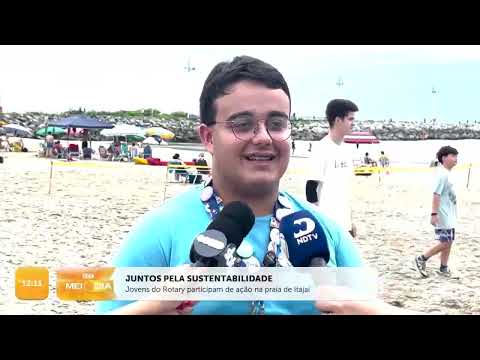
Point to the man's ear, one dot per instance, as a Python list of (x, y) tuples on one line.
[(206, 136)]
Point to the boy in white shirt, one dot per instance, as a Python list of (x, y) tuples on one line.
[(330, 184)]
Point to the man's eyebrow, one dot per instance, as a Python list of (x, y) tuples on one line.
[(277, 113), (249, 113), (238, 114)]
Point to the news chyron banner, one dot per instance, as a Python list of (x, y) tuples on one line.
[(197, 284)]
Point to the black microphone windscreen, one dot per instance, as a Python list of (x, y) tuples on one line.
[(235, 221)]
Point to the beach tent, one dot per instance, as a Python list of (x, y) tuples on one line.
[(81, 121)]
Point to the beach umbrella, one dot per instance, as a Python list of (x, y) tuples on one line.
[(17, 129), (124, 130), (130, 138), (361, 137), (164, 134), (134, 138), (150, 140), (53, 129)]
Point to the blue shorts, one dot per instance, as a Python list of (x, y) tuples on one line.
[(444, 235), (49, 146)]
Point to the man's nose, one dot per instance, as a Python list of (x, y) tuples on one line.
[(261, 133)]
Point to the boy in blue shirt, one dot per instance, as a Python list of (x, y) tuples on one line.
[(245, 125)]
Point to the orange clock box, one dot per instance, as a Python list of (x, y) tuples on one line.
[(31, 283)]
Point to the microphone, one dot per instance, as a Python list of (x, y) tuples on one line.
[(306, 241), (216, 247)]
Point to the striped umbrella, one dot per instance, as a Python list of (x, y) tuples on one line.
[(361, 137)]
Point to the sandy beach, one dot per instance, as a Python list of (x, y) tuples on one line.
[(93, 204)]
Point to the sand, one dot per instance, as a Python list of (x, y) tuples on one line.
[(93, 204)]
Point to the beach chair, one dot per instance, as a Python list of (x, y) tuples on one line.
[(73, 150), (180, 172)]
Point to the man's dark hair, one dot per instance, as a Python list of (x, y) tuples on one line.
[(49, 133), (225, 74), (176, 156), (445, 151), (340, 108)]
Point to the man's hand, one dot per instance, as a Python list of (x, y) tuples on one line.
[(341, 300), (156, 307), (434, 220)]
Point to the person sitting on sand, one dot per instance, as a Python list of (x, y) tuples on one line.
[(367, 160), (4, 145), (177, 169), (133, 150), (202, 162), (57, 149)]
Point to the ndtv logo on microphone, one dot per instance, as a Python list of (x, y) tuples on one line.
[(306, 235)]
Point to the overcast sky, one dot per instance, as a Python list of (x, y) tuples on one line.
[(385, 81)]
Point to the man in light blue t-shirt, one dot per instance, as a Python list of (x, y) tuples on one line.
[(244, 111), (444, 213)]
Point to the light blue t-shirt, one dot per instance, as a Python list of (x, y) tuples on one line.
[(447, 211), (163, 238)]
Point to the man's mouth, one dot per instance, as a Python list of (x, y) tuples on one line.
[(260, 157)]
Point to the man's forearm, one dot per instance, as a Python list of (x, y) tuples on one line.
[(435, 203)]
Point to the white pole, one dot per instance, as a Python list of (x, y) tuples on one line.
[(468, 178), (51, 171)]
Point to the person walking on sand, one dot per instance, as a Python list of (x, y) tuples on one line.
[(444, 213)]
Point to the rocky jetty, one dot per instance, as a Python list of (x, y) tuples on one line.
[(184, 126)]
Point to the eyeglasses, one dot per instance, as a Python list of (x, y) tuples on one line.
[(246, 127)]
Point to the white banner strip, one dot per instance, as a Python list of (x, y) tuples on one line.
[(240, 284)]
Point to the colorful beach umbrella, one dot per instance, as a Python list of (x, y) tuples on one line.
[(164, 134), (53, 129)]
